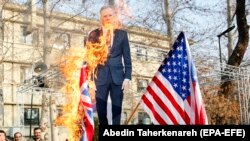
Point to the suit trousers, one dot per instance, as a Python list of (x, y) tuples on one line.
[(116, 96)]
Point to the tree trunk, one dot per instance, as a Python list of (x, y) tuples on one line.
[(52, 110), (168, 20), (46, 103), (44, 123), (229, 24), (228, 88), (46, 36)]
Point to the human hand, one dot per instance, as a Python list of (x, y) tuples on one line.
[(125, 85)]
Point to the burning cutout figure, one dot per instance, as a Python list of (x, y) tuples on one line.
[(109, 58)]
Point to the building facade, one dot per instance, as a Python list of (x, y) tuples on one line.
[(22, 47)]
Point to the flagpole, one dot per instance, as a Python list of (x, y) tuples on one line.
[(132, 114)]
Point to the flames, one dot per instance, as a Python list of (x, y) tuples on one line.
[(94, 54), (97, 53), (70, 68)]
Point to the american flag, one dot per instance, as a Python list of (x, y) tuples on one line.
[(87, 106), (173, 96)]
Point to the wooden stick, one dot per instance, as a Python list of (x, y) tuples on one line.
[(130, 117)]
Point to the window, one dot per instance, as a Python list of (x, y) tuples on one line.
[(162, 55), (31, 116), (59, 116), (143, 118), (142, 85), (62, 41), (59, 112), (25, 73), (141, 53), (26, 36)]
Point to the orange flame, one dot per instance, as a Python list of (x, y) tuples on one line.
[(97, 53), (70, 69)]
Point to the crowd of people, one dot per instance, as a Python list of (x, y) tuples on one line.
[(18, 136)]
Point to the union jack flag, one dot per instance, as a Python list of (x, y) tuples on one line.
[(173, 97), (86, 104)]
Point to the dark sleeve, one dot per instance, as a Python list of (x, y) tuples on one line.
[(127, 56)]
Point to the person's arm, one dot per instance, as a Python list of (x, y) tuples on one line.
[(127, 62), (127, 57)]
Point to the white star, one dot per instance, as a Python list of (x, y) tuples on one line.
[(179, 56), (184, 73), (175, 77), (169, 77), (183, 88), (175, 85), (184, 80), (185, 65), (183, 95), (175, 70), (173, 56)]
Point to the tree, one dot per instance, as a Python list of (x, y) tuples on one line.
[(229, 24), (228, 88), (44, 123), (168, 20)]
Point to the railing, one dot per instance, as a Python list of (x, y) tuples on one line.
[(218, 74)]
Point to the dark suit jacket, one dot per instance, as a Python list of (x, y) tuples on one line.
[(119, 53)]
